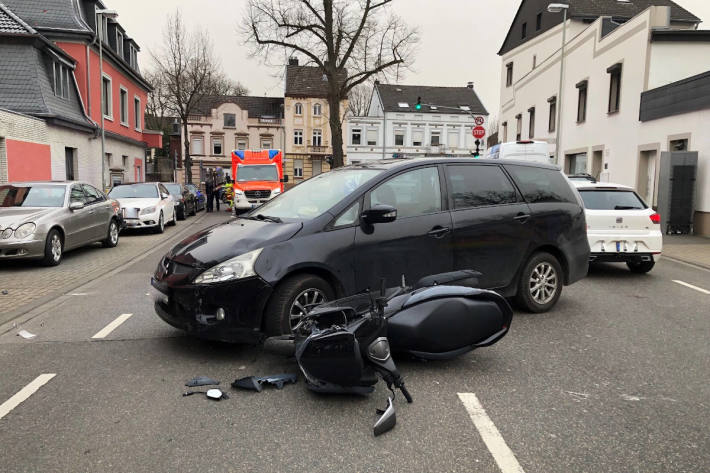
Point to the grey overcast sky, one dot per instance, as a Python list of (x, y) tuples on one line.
[(459, 39)]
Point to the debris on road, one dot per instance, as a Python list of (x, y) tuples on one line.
[(201, 381), (4, 292), (254, 383), (214, 394), (26, 335)]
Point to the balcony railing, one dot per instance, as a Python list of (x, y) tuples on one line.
[(317, 149), (270, 120)]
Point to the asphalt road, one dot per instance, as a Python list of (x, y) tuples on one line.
[(615, 379)]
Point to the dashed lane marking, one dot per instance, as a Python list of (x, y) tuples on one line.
[(699, 289), (24, 393), (502, 454), (103, 333)]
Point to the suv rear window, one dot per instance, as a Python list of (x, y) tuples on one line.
[(611, 200), (476, 186), (541, 184)]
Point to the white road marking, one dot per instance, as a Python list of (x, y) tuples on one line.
[(24, 393), (502, 454), (699, 289), (103, 333)]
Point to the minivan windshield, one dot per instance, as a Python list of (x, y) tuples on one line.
[(315, 196), (32, 196), (257, 172), (611, 200), (134, 191)]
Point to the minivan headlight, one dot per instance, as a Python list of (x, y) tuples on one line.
[(148, 210), (239, 267), (25, 230)]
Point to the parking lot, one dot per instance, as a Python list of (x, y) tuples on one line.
[(613, 379)]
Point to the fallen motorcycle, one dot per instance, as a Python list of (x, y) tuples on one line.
[(342, 346)]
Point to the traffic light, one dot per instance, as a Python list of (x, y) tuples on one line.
[(418, 106)]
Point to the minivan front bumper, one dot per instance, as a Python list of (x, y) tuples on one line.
[(194, 308)]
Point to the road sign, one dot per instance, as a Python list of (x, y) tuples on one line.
[(479, 121), (479, 132)]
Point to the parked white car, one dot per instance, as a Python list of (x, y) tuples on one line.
[(620, 226), (145, 205), (529, 150)]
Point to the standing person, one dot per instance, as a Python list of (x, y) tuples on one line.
[(209, 189), (217, 191)]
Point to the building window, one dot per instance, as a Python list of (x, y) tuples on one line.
[(614, 87), (298, 137), (61, 80), (552, 119), (137, 113), (297, 168), (372, 137), (524, 31), (104, 28), (197, 145), (134, 57), (538, 22), (582, 102), (266, 144), (417, 137), (531, 127), (242, 144), (509, 74), (119, 43), (317, 138), (435, 138), (399, 138), (298, 109), (69, 164), (317, 109), (106, 98), (230, 120), (505, 132), (356, 137), (217, 146), (124, 106), (518, 126), (678, 145), (453, 139)]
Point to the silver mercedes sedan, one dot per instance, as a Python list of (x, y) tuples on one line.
[(42, 220)]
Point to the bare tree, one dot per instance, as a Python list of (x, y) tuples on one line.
[(159, 104), (350, 40), (359, 100), (188, 71)]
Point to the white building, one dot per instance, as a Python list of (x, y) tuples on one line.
[(636, 84), (394, 127)]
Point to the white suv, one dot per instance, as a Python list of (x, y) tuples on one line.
[(620, 226)]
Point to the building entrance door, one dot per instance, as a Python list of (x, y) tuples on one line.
[(597, 164), (646, 177), (317, 166)]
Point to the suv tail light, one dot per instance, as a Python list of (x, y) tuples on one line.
[(656, 218)]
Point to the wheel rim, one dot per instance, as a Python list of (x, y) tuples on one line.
[(113, 232), (56, 245), (543, 283), (303, 303)]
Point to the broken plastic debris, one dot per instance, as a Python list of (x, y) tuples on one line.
[(254, 383), (214, 394), (201, 381), (25, 334), (4, 292)]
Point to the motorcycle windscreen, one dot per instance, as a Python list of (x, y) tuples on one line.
[(446, 325), (333, 358)]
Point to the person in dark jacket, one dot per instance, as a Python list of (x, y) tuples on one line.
[(209, 189)]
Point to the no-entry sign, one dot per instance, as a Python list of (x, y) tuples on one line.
[(479, 132), (479, 120)]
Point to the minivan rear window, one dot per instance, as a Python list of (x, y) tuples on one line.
[(611, 200), (477, 186), (542, 184)]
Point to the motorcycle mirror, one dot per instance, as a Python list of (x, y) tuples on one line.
[(387, 420), (215, 394)]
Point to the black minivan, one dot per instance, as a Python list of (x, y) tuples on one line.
[(520, 224)]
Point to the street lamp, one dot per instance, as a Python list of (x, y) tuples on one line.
[(556, 8), (100, 15)]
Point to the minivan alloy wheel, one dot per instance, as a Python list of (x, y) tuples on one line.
[(543, 283), (303, 303)]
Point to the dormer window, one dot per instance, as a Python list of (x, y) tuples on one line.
[(119, 43), (61, 80), (133, 58)]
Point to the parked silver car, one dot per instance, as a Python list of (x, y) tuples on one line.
[(42, 220)]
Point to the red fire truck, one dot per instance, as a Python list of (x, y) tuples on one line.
[(258, 176)]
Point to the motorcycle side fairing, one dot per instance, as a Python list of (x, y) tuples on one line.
[(443, 322)]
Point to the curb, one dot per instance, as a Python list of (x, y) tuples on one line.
[(688, 263), (39, 306)]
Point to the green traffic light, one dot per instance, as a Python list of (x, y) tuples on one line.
[(418, 106)]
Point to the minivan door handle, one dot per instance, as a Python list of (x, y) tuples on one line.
[(438, 232), (521, 217)]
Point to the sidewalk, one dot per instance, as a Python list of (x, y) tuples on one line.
[(688, 248)]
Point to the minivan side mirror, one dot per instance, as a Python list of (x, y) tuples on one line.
[(76, 206), (163, 196), (379, 214)]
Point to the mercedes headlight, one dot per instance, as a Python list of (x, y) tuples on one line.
[(239, 267), (25, 230), (276, 191), (148, 210)]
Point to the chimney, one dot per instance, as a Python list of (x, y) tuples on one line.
[(293, 61), (470, 85)]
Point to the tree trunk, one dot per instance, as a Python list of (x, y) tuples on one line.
[(187, 158), (336, 131)]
